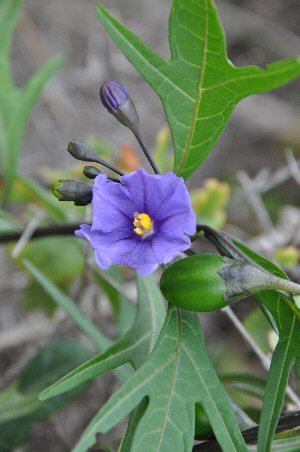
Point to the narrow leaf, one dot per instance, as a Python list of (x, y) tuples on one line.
[(287, 324), (9, 11), (134, 347), (9, 14), (64, 302), (27, 97)]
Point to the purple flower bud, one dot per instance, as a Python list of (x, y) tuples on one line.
[(113, 95), (117, 101)]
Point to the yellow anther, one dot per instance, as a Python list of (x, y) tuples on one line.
[(139, 231), (145, 221), (136, 222), (143, 224)]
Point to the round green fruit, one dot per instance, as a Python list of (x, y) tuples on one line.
[(195, 284), (203, 428)]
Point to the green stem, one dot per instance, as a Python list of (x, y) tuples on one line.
[(284, 285)]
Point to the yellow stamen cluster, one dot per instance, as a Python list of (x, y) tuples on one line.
[(142, 224)]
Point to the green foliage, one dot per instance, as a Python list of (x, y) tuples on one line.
[(160, 358), (100, 340), (15, 103), (134, 347), (35, 298), (285, 318), (287, 445), (64, 302), (247, 384), (258, 326), (20, 407), (159, 377), (7, 222), (123, 309), (45, 253), (177, 375), (199, 87)]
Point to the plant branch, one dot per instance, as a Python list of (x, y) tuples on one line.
[(223, 244), (45, 231), (286, 423)]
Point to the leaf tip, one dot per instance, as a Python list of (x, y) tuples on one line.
[(43, 396), (101, 11)]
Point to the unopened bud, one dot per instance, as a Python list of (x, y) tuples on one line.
[(117, 101), (113, 95), (82, 151), (91, 172), (71, 190)]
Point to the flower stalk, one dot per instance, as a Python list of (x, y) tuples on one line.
[(82, 151), (146, 152), (243, 279), (91, 172)]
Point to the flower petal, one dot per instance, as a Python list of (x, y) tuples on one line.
[(149, 191), (132, 252), (167, 247), (176, 212), (112, 247), (112, 206)]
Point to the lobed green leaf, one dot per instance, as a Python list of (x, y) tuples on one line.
[(177, 375), (199, 87)]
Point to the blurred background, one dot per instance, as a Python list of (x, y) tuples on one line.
[(249, 185)]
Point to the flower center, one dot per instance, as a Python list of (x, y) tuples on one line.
[(143, 225)]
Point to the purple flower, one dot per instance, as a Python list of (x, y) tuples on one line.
[(141, 222)]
